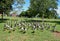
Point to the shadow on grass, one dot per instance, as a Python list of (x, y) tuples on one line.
[(58, 22), (3, 20)]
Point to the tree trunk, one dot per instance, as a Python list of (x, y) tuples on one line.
[(2, 15), (43, 18)]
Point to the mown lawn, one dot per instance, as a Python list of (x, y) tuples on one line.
[(46, 35)]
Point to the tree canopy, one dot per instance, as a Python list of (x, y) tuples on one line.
[(46, 7), (6, 5)]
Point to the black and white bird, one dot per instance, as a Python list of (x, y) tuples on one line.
[(48, 27), (42, 27), (6, 26)]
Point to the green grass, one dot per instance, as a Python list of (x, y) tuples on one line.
[(46, 35)]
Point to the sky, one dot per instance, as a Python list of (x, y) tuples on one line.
[(25, 7), (27, 4), (58, 10)]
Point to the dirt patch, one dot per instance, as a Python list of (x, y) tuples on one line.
[(23, 38), (56, 34)]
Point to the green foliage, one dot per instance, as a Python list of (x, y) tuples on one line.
[(6, 5), (46, 7), (25, 14)]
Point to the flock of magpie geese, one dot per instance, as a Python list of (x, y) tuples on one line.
[(24, 26)]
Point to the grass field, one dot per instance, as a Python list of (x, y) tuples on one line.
[(46, 35)]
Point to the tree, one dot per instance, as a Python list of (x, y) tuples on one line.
[(6, 5), (43, 7)]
